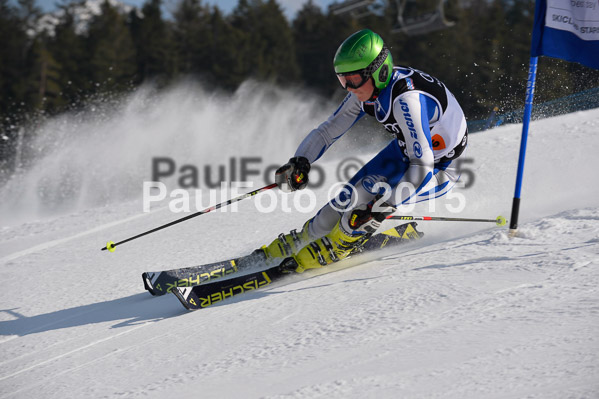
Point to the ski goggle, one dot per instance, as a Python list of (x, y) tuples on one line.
[(354, 80)]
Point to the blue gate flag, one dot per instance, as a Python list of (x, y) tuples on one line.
[(567, 29)]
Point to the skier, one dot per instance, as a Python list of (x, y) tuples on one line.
[(417, 165)]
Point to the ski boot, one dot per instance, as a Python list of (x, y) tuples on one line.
[(287, 245), (347, 236)]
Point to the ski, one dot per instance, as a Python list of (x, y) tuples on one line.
[(204, 295), (163, 282)]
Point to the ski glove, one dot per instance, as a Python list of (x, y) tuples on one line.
[(293, 175), (367, 218)]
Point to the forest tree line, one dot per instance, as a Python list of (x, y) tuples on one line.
[(483, 59)]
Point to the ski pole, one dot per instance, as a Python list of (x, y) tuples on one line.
[(110, 246), (499, 221)]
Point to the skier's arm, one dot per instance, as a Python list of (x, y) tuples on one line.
[(411, 113), (320, 139)]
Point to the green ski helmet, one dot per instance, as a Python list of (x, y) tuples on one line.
[(361, 56)]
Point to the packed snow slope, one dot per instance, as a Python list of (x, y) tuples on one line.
[(465, 312)]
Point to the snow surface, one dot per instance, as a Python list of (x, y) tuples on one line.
[(466, 312)]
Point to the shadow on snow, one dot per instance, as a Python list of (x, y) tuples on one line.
[(132, 310)]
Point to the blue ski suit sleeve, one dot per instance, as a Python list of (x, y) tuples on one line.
[(320, 139), (411, 111)]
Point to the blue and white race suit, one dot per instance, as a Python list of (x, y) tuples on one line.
[(417, 165)]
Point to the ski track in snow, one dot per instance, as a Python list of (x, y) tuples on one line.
[(466, 312)]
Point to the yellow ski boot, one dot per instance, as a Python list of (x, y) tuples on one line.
[(331, 248), (346, 236), (287, 245)]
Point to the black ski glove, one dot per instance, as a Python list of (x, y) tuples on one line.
[(293, 175), (368, 217)]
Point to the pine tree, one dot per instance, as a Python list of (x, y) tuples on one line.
[(112, 56), (153, 44), (68, 48), (265, 42), (224, 60), (13, 41), (13, 45), (192, 38), (336, 30), (311, 49), (43, 83), (279, 52)]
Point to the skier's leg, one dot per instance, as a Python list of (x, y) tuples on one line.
[(359, 191), (384, 163), (286, 245), (445, 176), (354, 227), (354, 215), (322, 223), (386, 167), (363, 216), (359, 222)]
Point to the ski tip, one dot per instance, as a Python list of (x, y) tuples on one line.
[(147, 284), (110, 246), (181, 293), (501, 221)]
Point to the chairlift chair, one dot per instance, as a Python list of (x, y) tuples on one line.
[(356, 8), (418, 24), (421, 24)]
